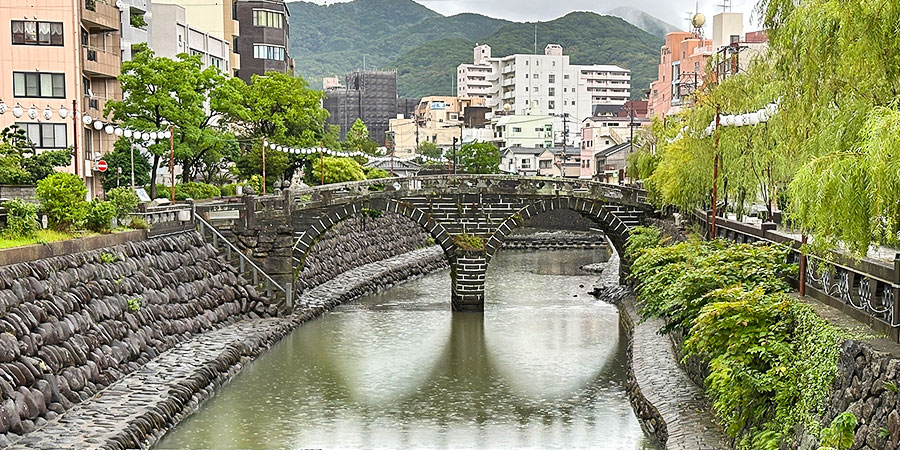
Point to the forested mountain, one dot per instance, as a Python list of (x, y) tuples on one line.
[(644, 21), (426, 47)]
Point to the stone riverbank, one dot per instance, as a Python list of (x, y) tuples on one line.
[(137, 410)]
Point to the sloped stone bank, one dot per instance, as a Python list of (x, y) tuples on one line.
[(72, 325), (137, 410), (357, 241)]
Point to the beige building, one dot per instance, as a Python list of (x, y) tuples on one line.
[(62, 57), (437, 120), (214, 18), (171, 34)]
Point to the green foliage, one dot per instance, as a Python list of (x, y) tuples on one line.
[(120, 158), (107, 258), (467, 241), (771, 358), (368, 212), (890, 386), (358, 139), (138, 21), (124, 200), (192, 190), (21, 219), (337, 170), (138, 223), (839, 435), (430, 149), (640, 238), (374, 173), (100, 215), (62, 197), (134, 304), (479, 157), (429, 241), (19, 163)]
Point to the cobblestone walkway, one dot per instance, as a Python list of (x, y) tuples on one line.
[(682, 405)]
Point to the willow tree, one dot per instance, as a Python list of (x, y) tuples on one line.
[(840, 65)]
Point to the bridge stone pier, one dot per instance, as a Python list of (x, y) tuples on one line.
[(467, 215)]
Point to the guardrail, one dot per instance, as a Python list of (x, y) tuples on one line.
[(867, 289), (245, 265), (164, 220)]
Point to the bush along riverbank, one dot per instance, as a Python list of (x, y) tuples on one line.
[(771, 359)]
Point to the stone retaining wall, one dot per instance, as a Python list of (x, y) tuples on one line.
[(555, 240), (72, 325), (357, 241)]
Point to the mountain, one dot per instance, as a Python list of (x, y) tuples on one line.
[(337, 38), (586, 37), (644, 21)]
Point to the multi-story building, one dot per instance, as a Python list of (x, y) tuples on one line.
[(263, 43), (369, 95), (685, 56), (135, 21), (62, 58), (171, 34), (544, 84), (217, 18), (525, 130), (435, 119)]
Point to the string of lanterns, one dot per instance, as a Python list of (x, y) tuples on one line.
[(47, 114), (341, 154), (744, 120)]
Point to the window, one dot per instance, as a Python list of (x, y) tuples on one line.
[(262, 51), (45, 135), (551, 104), (551, 78), (266, 18), (544, 164), (539, 130), (517, 130), (566, 76), (526, 163), (29, 32), (39, 85), (218, 63), (551, 92)]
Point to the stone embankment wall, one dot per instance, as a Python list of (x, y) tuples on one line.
[(357, 241), (555, 240), (71, 325)]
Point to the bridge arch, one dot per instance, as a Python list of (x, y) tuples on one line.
[(596, 211), (311, 234)]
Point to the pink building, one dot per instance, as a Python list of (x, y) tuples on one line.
[(62, 57), (682, 67)]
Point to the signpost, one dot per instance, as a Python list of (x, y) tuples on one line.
[(102, 166)]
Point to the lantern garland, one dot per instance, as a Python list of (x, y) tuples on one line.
[(744, 120), (342, 154)]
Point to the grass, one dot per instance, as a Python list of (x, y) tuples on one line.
[(40, 237)]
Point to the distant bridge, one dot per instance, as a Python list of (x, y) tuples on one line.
[(482, 208)]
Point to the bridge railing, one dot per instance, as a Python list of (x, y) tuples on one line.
[(329, 194), (867, 289), (167, 219)]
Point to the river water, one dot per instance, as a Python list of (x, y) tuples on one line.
[(544, 367)]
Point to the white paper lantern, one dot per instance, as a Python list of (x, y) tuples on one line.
[(32, 112), (63, 112), (87, 119), (153, 135), (17, 111), (2, 107), (771, 109), (109, 129), (128, 133), (754, 118), (763, 115), (98, 125), (145, 136), (48, 113), (118, 131)]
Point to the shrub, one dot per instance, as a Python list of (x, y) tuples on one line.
[(467, 241), (62, 197), (373, 173), (100, 216), (192, 190), (134, 304), (640, 238), (125, 201), (138, 223), (230, 190), (21, 219)]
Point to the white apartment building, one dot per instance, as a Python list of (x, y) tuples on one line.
[(135, 16), (530, 131), (543, 84), (171, 34)]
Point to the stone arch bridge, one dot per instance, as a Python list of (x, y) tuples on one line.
[(467, 215)]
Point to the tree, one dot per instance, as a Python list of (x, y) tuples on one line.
[(337, 170), (430, 150), (358, 139), (277, 164), (120, 158), (163, 91), (374, 173), (21, 164), (479, 157)]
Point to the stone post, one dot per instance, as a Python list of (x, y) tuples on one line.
[(467, 270), (896, 290)]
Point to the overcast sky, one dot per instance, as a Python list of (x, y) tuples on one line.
[(672, 11)]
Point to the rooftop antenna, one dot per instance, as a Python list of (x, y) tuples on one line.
[(726, 5)]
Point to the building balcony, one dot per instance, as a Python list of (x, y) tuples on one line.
[(100, 15), (509, 69), (509, 95), (102, 63), (509, 82)]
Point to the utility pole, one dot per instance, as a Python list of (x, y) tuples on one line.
[(455, 140), (631, 137), (565, 143), (75, 127), (715, 191), (172, 159), (263, 166)]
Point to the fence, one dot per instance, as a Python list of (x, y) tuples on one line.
[(867, 289)]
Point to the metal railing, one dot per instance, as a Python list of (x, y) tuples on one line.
[(245, 264)]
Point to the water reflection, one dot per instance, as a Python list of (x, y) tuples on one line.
[(542, 368)]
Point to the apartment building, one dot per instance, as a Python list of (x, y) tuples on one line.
[(543, 84), (171, 34), (135, 19), (436, 119), (216, 18), (527, 130), (685, 57), (63, 57), (370, 95), (264, 31)]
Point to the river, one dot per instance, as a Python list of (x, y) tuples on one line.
[(543, 367)]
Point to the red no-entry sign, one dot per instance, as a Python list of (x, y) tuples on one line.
[(102, 166)]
